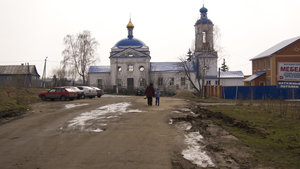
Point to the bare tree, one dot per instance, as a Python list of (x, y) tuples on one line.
[(195, 69), (188, 70), (79, 54), (59, 77)]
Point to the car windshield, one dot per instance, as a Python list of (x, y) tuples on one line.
[(52, 90), (69, 90)]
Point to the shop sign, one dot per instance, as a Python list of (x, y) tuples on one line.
[(289, 71), (287, 84)]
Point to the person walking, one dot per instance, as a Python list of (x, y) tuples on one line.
[(157, 95), (149, 93)]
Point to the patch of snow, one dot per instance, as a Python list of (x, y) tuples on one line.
[(135, 111), (175, 111), (188, 127), (69, 106), (99, 117), (183, 126), (96, 130), (194, 153), (185, 109), (111, 117), (171, 121)]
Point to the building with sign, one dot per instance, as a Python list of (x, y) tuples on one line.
[(278, 65)]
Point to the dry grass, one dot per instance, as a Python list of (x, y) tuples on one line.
[(14, 99), (281, 146)]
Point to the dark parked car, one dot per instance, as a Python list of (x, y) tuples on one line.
[(59, 93)]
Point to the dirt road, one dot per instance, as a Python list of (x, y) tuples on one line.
[(109, 133)]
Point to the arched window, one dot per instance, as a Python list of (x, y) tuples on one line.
[(141, 68), (204, 37)]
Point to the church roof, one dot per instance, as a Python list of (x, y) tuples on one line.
[(168, 67), (129, 42), (203, 19), (130, 25), (276, 48), (231, 75), (99, 69)]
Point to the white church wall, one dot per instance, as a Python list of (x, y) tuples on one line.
[(172, 82), (105, 78), (139, 70)]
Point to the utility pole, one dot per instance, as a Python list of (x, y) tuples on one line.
[(44, 73)]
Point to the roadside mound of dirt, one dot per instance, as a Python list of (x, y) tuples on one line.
[(225, 150), (185, 95), (245, 125)]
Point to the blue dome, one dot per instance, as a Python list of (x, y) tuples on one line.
[(204, 21), (203, 10), (129, 42)]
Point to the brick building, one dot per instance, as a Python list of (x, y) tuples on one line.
[(280, 63)]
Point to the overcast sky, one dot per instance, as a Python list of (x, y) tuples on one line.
[(31, 30)]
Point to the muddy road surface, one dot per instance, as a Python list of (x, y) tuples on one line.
[(113, 132), (108, 132)]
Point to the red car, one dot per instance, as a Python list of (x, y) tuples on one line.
[(59, 93)]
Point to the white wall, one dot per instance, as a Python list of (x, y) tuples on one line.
[(232, 82), (106, 79)]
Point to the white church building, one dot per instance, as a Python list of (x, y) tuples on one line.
[(130, 67)]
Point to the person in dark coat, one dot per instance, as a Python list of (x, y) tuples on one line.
[(149, 93)]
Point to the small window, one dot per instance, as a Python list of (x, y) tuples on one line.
[(217, 82), (130, 68), (182, 81), (141, 68), (119, 82), (264, 64), (269, 63), (142, 82), (160, 81), (100, 83), (171, 83), (261, 83), (258, 66), (254, 66), (208, 82)]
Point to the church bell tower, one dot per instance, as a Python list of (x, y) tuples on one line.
[(204, 32), (205, 55)]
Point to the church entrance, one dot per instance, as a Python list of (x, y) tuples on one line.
[(130, 84)]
